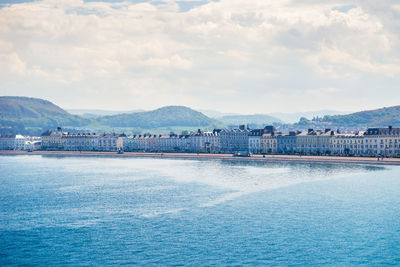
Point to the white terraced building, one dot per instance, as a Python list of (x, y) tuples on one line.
[(235, 140), (130, 143), (373, 142), (157, 143), (205, 142), (81, 142), (173, 143), (59, 140), (110, 142), (347, 143), (314, 141), (255, 141), (12, 142), (52, 140), (382, 141), (269, 143), (287, 144)]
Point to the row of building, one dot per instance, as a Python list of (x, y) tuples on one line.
[(372, 142), (19, 142), (59, 140)]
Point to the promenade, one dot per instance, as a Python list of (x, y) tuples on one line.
[(200, 156)]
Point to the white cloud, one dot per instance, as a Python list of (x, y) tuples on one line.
[(218, 55)]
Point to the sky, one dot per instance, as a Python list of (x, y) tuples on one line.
[(229, 55)]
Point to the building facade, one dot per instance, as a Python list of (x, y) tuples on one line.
[(205, 142), (80, 142), (269, 143), (235, 140), (287, 144), (373, 142), (314, 142), (111, 142), (382, 141), (52, 140)]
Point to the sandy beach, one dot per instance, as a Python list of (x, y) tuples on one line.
[(200, 156)]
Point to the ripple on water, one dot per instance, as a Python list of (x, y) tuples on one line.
[(96, 211)]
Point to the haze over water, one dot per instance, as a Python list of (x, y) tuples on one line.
[(103, 211)]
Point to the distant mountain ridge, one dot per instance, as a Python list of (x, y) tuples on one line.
[(257, 120), (163, 117), (26, 115), (29, 115), (370, 118), (274, 117), (27, 107), (215, 114), (93, 113), (295, 116)]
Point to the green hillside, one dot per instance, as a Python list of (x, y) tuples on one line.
[(359, 120), (371, 118), (25, 107), (169, 116), (32, 115)]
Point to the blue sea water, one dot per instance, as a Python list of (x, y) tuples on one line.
[(113, 211)]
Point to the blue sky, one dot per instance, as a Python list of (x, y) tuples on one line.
[(183, 5), (228, 55)]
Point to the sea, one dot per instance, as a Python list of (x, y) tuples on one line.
[(102, 211)]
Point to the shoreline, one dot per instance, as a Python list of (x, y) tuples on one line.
[(194, 156)]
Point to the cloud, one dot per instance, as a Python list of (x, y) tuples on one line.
[(211, 54), (322, 91)]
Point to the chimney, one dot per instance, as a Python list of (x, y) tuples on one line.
[(310, 130), (241, 127), (327, 130)]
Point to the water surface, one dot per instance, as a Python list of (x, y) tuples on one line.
[(104, 211)]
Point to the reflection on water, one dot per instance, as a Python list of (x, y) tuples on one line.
[(139, 203), (225, 180)]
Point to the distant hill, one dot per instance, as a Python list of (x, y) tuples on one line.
[(25, 107), (163, 117), (32, 115), (215, 114), (94, 113), (295, 116), (256, 120), (370, 118), (277, 117)]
